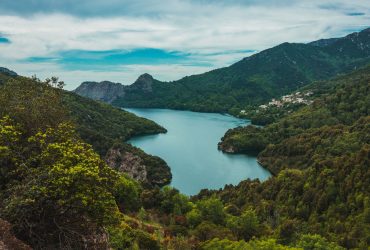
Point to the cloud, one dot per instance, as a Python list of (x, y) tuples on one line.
[(356, 14), (109, 8), (79, 59), (113, 37), (4, 40)]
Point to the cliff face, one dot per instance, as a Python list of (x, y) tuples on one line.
[(143, 83), (128, 163), (107, 91), (8, 72), (146, 169), (103, 91)]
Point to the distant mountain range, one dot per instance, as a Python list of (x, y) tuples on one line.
[(253, 80)]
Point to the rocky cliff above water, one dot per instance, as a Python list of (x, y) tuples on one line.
[(107, 91), (103, 91)]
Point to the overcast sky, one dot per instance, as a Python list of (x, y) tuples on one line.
[(117, 40)]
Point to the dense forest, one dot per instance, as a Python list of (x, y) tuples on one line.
[(320, 156), (57, 191), (98, 124), (252, 81), (68, 180)]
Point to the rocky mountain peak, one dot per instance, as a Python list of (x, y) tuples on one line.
[(144, 82), (147, 78), (8, 72), (103, 91)]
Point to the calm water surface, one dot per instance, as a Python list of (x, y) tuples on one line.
[(190, 149)]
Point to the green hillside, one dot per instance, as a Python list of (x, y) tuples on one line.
[(98, 124), (57, 193), (342, 100), (255, 79), (320, 158)]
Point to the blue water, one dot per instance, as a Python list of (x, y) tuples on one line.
[(190, 149)]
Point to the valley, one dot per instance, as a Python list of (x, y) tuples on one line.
[(190, 149), (173, 166)]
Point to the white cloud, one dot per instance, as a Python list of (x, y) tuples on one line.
[(191, 27)]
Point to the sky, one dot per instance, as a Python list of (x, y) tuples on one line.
[(118, 40)]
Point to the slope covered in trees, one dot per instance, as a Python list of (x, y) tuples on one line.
[(320, 156), (253, 80), (342, 100), (57, 192), (98, 124)]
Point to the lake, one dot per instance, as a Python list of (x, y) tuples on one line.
[(190, 149)]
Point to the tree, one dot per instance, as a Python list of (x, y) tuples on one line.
[(244, 226), (316, 242), (127, 194), (33, 104), (212, 209), (65, 197)]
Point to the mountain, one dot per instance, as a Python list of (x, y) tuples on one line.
[(109, 92), (343, 100), (253, 80), (103, 91), (106, 128), (319, 156), (8, 72)]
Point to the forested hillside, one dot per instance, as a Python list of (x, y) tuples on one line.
[(320, 156), (251, 81), (98, 124), (57, 192), (342, 100)]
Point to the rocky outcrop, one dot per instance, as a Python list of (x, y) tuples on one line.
[(7, 72), (226, 149), (107, 91), (103, 91), (147, 169), (128, 163), (143, 83)]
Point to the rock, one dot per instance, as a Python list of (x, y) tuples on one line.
[(144, 83), (7, 72), (226, 149), (103, 91), (107, 91), (128, 163)]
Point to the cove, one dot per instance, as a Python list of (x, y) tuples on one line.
[(190, 149)]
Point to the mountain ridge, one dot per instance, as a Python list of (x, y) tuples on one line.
[(253, 80)]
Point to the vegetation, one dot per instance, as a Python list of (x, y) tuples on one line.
[(320, 155), (102, 125), (255, 79), (344, 102), (57, 192), (98, 124)]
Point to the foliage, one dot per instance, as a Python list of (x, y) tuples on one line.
[(225, 244), (55, 190), (256, 79), (101, 124), (344, 102), (56, 194), (212, 209), (316, 242), (244, 226), (27, 101), (320, 157), (127, 194)]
